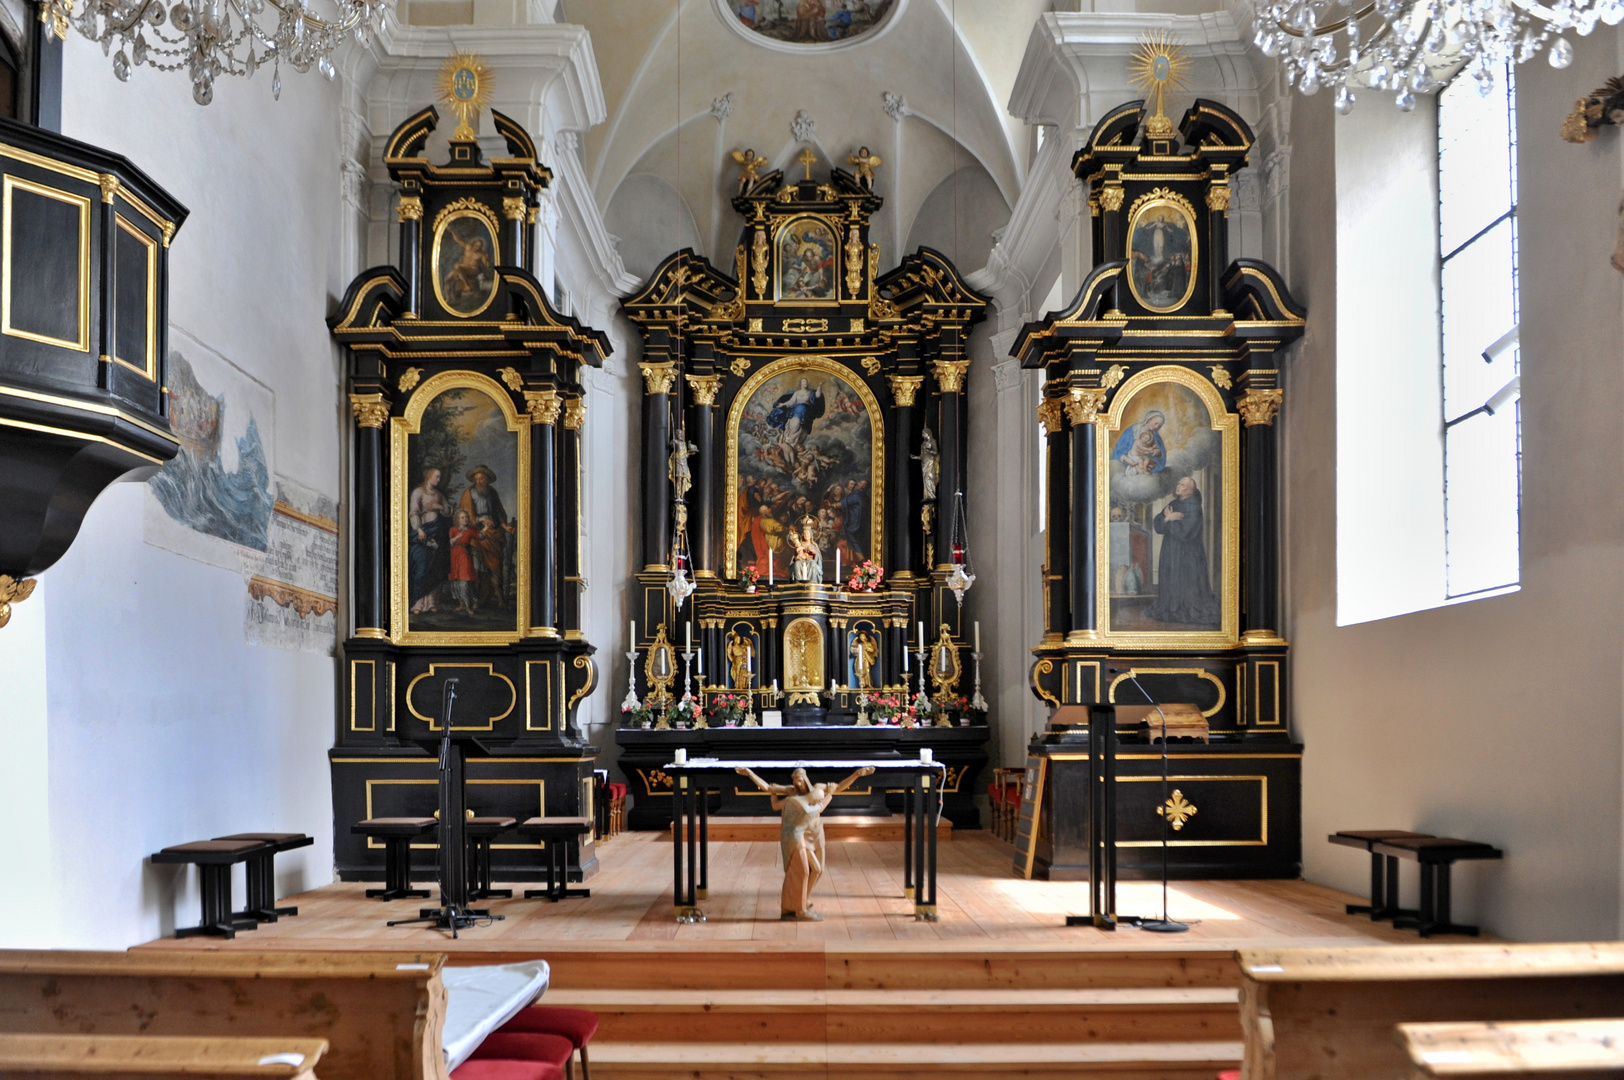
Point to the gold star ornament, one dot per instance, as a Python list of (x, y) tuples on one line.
[(1159, 66), (465, 88)]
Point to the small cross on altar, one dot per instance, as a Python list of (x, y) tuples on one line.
[(808, 158)]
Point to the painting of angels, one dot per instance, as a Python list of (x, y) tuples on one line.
[(1161, 256), (465, 264), (804, 477), (807, 261), (810, 22)]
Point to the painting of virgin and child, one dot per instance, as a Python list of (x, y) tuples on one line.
[(461, 538)]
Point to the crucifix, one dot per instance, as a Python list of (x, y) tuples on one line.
[(808, 158)]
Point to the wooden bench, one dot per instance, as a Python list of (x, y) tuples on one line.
[(1551, 1049), (1383, 871), (47, 1057), (1435, 854), (1330, 1013), (381, 1014)]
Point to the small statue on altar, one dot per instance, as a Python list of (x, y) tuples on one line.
[(930, 463), (751, 162), (738, 659), (682, 477), (863, 164), (864, 651), (801, 837), (807, 563)]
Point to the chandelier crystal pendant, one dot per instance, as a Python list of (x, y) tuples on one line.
[(210, 38), (1408, 47)]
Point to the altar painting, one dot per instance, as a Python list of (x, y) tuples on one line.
[(810, 22), (1161, 252), (464, 268), (805, 439), (459, 507), (807, 261), (1171, 566)]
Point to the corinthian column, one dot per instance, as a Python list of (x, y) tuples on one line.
[(543, 407)]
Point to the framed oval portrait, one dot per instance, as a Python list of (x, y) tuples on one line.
[(1162, 250), (464, 263)]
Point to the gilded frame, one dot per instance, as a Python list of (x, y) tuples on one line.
[(1163, 197), (833, 225), (150, 368), (876, 420), (82, 204), (400, 486), (465, 208), (1227, 424)]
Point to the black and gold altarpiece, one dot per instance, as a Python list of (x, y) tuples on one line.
[(1162, 384), (803, 396), (465, 386)]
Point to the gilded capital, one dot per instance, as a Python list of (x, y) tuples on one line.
[(950, 374), (704, 388), (904, 387), (13, 591), (657, 378), (410, 208), (575, 413), (1259, 406), (513, 208), (1084, 404), (1218, 198), (1052, 415), (543, 405), (109, 186), (1111, 198), (370, 410)]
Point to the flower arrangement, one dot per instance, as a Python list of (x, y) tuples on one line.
[(685, 713), (749, 577), (639, 716), (730, 709), (892, 710), (865, 576), (952, 703)]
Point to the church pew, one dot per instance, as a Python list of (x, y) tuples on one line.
[(1329, 1014), (1551, 1049), (382, 1014), (107, 1057)]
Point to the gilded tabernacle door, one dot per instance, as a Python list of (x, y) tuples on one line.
[(458, 513), (1168, 458)]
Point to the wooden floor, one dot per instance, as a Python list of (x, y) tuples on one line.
[(980, 901)]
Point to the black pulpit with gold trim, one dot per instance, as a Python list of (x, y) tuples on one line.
[(466, 390)]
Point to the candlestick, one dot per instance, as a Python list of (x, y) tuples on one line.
[(631, 701)]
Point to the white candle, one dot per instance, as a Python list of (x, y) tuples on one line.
[(687, 637), (831, 686), (904, 656), (925, 753), (634, 633), (682, 756), (769, 566), (775, 688), (921, 636), (978, 635), (837, 568)]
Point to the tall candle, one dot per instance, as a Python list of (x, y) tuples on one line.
[(775, 688), (831, 687), (687, 637), (769, 566), (837, 568), (904, 656), (634, 633), (921, 636), (978, 635)]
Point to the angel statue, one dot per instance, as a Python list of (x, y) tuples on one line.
[(930, 463), (801, 835), (751, 162), (862, 164)]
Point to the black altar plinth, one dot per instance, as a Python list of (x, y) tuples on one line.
[(643, 755)]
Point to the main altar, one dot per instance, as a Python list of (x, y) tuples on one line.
[(805, 533)]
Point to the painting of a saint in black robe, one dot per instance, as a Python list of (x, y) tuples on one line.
[(462, 517), (1161, 256), (1166, 528)]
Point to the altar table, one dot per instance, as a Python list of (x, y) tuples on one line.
[(695, 779)]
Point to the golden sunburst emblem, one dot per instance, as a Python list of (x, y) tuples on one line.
[(465, 87), (1159, 66)]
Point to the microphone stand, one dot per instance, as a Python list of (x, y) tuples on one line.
[(1164, 925)]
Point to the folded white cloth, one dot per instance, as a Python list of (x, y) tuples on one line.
[(481, 999)]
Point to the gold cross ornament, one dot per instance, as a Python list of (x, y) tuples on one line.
[(808, 158), (1176, 810)]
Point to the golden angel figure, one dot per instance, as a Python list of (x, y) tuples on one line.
[(751, 162), (863, 164)]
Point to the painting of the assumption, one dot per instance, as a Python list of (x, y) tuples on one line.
[(805, 477), (811, 22), (1160, 253), (806, 261), (462, 517), (1166, 495), (464, 264)]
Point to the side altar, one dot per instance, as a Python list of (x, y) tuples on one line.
[(1162, 379), (805, 534), (465, 495)]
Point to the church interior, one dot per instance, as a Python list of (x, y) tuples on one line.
[(801, 538)]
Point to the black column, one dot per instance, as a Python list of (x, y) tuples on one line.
[(950, 374), (371, 412), (544, 407), (513, 230), (702, 505), (657, 378), (410, 213), (1081, 409), (1057, 526), (1217, 260), (569, 515), (899, 501), (1259, 537), (1111, 197)]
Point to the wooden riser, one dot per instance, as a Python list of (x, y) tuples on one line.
[(835, 829), (1028, 1017), (731, 1061)]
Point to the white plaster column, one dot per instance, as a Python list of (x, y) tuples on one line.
[(1016, 618), (27, 917)]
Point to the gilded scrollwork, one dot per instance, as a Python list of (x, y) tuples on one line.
[(854, 261), (740, 366), (1113, 375), (758, 261), (410, 378), (1220, 377), (1259, 406), (12, 592), (511, 378)]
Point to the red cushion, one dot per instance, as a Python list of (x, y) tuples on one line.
[(617, 791), (498, 1069), (576, 1025), (1230, 1074), (525, 1046)]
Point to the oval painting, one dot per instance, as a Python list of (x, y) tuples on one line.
[(807, 261), (464, 269), (1161, 254), (809, 22)]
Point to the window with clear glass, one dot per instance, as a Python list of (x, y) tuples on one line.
[(1477, 225)]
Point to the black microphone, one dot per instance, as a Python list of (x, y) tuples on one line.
[(450, 698)]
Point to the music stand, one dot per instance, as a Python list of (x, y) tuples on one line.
[(453, 914)]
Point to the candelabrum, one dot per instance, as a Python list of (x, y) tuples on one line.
[(977, 702), (862, 710), (921, 696), (631, 701)]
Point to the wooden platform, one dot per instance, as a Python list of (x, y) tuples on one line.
[(835, 829), (1000, 987)]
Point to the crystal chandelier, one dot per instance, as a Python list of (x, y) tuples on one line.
[(1403, 46), (209, 38)]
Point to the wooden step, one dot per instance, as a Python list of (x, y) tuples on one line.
[(911, 1061), (922, 1016), (835, 829)]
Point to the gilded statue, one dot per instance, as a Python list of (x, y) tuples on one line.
[(862, 166), (807, 564), (751, 162), (738, 659), (801, 834), (864, 651)]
